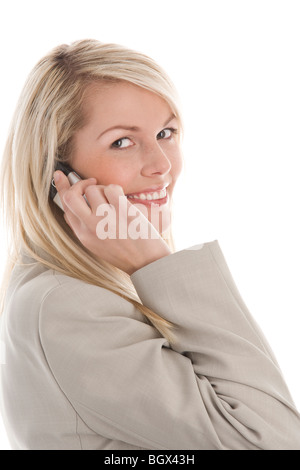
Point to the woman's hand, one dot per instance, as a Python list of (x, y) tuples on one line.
[(116, 246)]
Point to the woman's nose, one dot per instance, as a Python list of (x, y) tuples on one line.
[(155, 161)]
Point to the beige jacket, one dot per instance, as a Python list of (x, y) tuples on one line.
[(84, 369)]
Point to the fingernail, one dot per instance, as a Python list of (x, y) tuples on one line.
[(56, 176)]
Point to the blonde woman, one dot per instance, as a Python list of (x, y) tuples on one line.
[(113, 339)]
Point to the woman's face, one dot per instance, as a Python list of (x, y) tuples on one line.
[(130, 139)]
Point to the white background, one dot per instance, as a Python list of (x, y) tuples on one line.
[(236, 67)]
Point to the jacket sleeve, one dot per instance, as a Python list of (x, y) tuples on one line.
[(218, 386)]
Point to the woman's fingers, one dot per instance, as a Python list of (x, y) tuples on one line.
[(113, 192), (72, 196), (95, 196), (118, 245)]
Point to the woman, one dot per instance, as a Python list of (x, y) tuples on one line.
[(114, 340)]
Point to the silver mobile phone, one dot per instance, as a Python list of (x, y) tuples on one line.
[(73, 177)]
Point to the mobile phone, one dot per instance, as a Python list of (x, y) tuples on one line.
[(73, 177)]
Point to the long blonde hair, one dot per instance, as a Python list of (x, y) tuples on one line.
[(48, 114)]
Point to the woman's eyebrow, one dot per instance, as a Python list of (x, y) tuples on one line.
[(132, 128), (170, 119)]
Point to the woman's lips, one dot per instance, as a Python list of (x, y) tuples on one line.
[(150, 197)]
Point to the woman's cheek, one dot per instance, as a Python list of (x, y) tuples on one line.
[(177, 165), (112, 173)]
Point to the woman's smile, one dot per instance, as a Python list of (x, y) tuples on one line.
[(157, 196)]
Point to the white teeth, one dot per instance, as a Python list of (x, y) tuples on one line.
[(150, 196)]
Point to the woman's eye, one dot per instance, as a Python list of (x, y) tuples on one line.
[(166, 133), (122, 143)]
